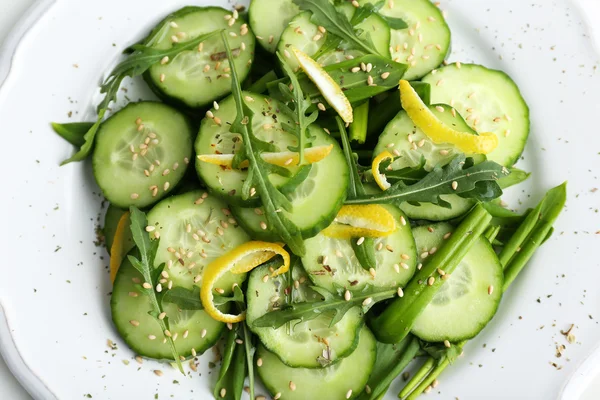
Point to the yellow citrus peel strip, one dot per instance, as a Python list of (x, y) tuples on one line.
[(380, 178), (438, 132), (117, 249), (361, 221), (282, 159), (240, 260), (331, 91)]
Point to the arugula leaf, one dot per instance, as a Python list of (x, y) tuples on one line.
[(442, 353), (391, 360), (365, 11), (73, 132), (142, 58), (230, 384), (325, 14), (300, 121), (460, 177), (150, 273), (258, 171), (189, 299), (354, 85), (249, 356), (333, 305)]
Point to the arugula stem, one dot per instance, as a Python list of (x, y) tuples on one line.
[(421, 374), (409, 352), (397, 319), (358, 129)]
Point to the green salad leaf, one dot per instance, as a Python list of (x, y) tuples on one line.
[(258, 171), (459, 177), (73, 132), (296, 106), (325, 14), (334, 305), (189, 299), (138, 62), (145, 265)]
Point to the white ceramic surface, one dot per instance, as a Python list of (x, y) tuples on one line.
[(55, 289)]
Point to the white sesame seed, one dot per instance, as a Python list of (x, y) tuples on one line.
[(404, 265), (355, 3), (402, 220), (134, 323), (174, 39), (317, 37), (146, 285), (158, 372), (259, 362), (321, 106), (223, 392), (360, 241), (397, 268), (286, 53), (367, 301), (162, 315), (385, 75), (349, 394), (396, 152), (292, 386), (490, 289), (431, 281), (347, 295), (263, 225), (439, 83), (447, 343), (265, 278), (454, 185), (372, 272), (425, 254)]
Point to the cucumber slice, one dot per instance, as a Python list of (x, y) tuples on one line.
[(315, 202), (464, 304), (490, 102), (425, 43), (307, 344), (409, 144), (141, 153), (344, 380), (129, 303), (396, 256), (227, 183), (195, 229), (306, 36), (196, 78), (269, 18)]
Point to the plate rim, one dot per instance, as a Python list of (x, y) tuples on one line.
[(32, 383)]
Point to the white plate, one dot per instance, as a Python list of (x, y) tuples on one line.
[(55, 287)]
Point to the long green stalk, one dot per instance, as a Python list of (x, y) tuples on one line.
[(396, 321), (533, 231), (358, 129)]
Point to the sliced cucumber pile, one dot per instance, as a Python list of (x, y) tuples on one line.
[(344, 380), (410, 146), (195, 78), (196, 331), (332, 264), (142, 152), (315, 202), (425, 43), (267, 29), (489, 101), (470, 296), (307, 344), (195, 229)]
